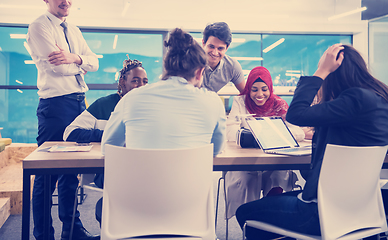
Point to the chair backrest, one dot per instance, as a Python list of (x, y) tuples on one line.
[(158, 192), (349, 195)]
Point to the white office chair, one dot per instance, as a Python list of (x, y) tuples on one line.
[(349, 197), (150, 192)]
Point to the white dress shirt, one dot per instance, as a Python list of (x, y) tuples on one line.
[(42, 37), (168, 114)]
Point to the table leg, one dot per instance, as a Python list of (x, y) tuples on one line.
[(26, 205)]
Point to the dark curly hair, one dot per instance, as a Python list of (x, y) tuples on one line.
[(128, 65)]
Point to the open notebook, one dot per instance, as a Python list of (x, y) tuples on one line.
[(273, 136)]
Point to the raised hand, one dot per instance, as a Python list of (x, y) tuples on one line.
[(329, 61)]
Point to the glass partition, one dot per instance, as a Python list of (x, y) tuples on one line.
[(18, 74), (287, 57), (112, 49), (293, 56), (378, 48)]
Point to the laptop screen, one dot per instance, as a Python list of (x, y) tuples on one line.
[(271, 133)]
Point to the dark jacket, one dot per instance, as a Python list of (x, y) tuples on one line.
[(357, 117)]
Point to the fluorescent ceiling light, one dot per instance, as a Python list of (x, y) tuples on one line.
[(238, 40), (248, 58), (18, 36), (347, 13), (273, 45), (22, 6), (28, 62), (19, 90), (115, 41), (293, 74), (320, 42), (126, 7), (27, 47), (20, 82), (293, 71)]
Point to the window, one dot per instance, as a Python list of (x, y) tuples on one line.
[(287, 57), (378, 48), (295, 55), (18, 74), (112, 48)]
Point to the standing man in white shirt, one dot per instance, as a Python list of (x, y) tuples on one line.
[(62, 58), (221, 68)]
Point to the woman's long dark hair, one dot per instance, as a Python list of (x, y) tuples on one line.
[(353, 72), (184, 55)]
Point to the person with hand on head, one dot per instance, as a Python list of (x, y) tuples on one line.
[(352, 111), (62, 58), (221, 69), (174, 112), (89, 126), (258, 100)]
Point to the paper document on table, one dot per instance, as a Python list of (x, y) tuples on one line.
[(57, 148)]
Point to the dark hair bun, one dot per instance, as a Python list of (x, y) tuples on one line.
[(179, 42), (184, 55)]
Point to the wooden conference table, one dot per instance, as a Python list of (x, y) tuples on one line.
[(42, 162)]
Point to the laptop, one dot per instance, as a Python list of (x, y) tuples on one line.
[(273, 136)]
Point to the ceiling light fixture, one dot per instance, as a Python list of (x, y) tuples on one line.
[(273, 45), (238, 40), (28, 62), (18, 36), (126, 7), (347, 13), (293, 74), (27, 47), (115, 41)]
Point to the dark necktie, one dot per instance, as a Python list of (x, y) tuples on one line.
[(78, 76)]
